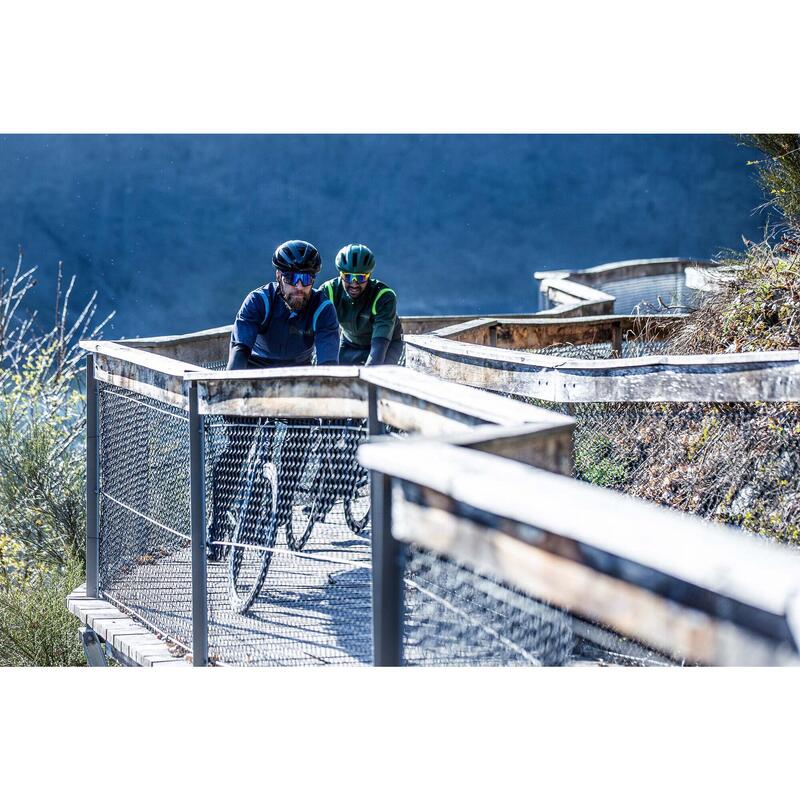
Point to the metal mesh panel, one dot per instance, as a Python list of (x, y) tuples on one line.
[(732, 463), (290, 561), (630, 349), (736, 463), (455, 615), (641, 295), (144, 535)]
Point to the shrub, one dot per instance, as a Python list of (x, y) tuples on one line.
[(35, 627), (42, 474)]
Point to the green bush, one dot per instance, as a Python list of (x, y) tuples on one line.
[(42, 476), (35, 627), (779, 170)]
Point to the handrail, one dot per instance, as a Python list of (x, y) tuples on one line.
[(152, 375), (543, 536), (729, 377), (563, 286), (699, 592)]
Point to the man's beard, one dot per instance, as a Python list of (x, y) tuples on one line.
[(297, 303)]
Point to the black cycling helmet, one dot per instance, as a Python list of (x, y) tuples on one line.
[(297, 256), (355, 258)]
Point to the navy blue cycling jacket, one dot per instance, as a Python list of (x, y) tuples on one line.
[(280, 337)]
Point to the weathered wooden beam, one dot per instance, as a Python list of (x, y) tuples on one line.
[(477, 331), (625, 270), (294, 392), (463, 405), (563, 291), (148, 374), (546, 445), (426, 324), (733, 377), (696, 591), (196, 348)]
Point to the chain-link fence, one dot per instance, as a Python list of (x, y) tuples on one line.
[(631, 348), (289, 552), (732, 463), (144, 535), (455, 615), (651, 294)]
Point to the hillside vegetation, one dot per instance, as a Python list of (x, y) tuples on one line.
[(757, 305), (42, 473), (734, 463)]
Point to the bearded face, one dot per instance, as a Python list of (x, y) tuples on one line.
[(295, 297)]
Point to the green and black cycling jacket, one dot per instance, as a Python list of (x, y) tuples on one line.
[(370, 316)]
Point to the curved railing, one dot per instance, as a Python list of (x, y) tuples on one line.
[(479, 553), (623, 287)]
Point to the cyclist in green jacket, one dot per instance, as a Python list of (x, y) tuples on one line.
[(371, 333)]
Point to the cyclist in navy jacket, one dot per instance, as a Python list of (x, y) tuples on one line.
[(280, 324)]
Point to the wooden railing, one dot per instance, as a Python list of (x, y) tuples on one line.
[(487, 475), (589, 292)]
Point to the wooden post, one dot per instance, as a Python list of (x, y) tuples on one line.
[(616, 339)]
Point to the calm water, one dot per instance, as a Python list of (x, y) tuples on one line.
[(174, 230)]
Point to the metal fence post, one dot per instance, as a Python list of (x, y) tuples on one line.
[(387, 578), (198, 526), (92, 476), (373, 425)]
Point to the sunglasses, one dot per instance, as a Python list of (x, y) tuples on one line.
[(306, 278), (355, 277)]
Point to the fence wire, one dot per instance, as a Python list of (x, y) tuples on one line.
[(455, 615), (733, 463), (289, 570), (653, 294), (633, 348), (144, 526)]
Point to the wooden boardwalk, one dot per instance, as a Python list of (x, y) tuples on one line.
[(314, 607)]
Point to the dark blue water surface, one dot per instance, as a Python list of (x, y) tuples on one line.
[(174, 230)]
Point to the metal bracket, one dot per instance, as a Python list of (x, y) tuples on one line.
[(92, 647)]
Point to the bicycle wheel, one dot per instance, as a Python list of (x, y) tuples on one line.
[(357, 503), (307, 496), (253, 537)]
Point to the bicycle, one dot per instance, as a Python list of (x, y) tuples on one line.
[(256, 517), (332, 473), (325, 469)]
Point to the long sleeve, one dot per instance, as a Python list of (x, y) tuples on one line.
[(377, 351), (384, 309), (249, 320), (326, 334), (238, 356)]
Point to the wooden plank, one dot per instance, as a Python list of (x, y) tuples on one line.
[(549, 446), (734, 377), (562, 290), (123, 633), (625, 270), (195, 348), (144, 373), (528, 334), (296, 392), (463, 404), (115, 352), (477, 331), (425, 324), (684, 633), (620, 541), (721, 558)]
